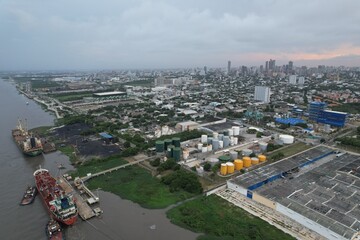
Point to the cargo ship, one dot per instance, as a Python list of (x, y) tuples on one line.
[(27, 143), (60, 206)]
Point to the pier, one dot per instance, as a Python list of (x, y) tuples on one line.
[(84, 210)]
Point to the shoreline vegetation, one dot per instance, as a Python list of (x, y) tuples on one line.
[(221, 220)]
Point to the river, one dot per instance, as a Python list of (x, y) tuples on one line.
[(121, 220)]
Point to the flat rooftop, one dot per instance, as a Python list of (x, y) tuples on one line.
[(104, 94), (327, 192)]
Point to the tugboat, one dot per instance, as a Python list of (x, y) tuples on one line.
[(53, 230), (29, 196)]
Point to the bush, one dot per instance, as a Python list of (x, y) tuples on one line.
[(155, 163), (207, 167), (183, 180), (169, 164)]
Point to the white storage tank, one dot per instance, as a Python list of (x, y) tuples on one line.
[(236, 130), (200, 145), (234, 155), (286, 139), (236, 141), (215, 144), (231, 132), (203, 138), (263, 146), (221, 144), (204, 149), (226, 141), (215, 135), (209, 148), (212, 161), (232, 141)]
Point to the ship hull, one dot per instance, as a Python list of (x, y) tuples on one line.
[(44, 192), (33, 153)]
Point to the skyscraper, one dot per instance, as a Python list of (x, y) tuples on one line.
[(291, 66), (272, 65), (262, 93), (229, 67), (266, 66)]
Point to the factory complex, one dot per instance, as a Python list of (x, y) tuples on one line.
[(319, 188)]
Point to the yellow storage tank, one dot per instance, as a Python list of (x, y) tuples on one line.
[(230, 167), (254, 161), (262, 158), (239, 164), (247, 162), (223, 169)]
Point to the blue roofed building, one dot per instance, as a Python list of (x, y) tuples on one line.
[(318, 114), (291, 121)]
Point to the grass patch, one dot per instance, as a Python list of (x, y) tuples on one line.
[(219, 219), (290, 150), (71, 97), (133, 183), (41, 130)]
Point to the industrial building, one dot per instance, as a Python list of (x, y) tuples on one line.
[(317, 188), (318, 113), (115, 94)]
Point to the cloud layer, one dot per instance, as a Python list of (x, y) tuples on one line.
[(114, 34)]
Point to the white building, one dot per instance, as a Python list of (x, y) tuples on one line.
[(262, 94), (301, 80), (292, 79)]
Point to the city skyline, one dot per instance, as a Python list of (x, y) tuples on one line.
[(180, 34)]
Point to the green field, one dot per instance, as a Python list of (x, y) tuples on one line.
[(221, 220), (133, 183), (41, 130), (71, 97), (290, 150)]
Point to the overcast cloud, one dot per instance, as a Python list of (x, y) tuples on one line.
[(115, 34)]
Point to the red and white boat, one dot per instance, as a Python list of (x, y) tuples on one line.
[(61, 206)]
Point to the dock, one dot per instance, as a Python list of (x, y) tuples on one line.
[(84, 210)]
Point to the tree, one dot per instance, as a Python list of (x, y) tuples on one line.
[(155, 162), (127, 144), (207, 167)]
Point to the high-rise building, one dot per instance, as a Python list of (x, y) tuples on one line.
[(272, 65), (261, 68), (292, 79), (205, 70), (301, 80), (266, 66), (262, 93), (291, 66), (229, 67)]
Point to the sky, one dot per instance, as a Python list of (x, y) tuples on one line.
[(123, 34)]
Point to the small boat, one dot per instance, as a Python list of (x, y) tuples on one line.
[(29, 196), (53, 230)]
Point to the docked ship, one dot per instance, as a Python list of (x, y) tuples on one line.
[(61, 206), (28, 144)]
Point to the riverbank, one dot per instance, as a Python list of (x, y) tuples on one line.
[(221, 220)]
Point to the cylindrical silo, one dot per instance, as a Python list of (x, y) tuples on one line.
[(236, 130), (254, 161), (215, 135), (221, 144), (204, 149), (221, 136), (263, 146), (209, 140), (177, 153), (234, 155), (167, 142), (231, 132), (226, 141), (247, 162), (209, 148), (203, 138), (236, 140), (239, 164), (262, 158), (215, 144), (159, 146), (223, 169), (199, 146), (176, 141), (230, 167)]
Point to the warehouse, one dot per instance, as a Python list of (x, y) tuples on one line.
[(314, 188)]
